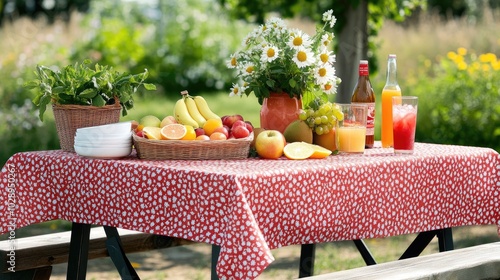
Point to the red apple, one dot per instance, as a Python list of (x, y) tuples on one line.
[(140, 133), (199, 131), (249, 126), (240, 132), (269, 144), (239, 123), (223, 130), (230, 120)]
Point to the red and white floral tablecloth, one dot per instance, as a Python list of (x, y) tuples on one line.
[(249, 207)]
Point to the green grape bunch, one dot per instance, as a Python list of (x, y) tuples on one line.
[(321, 116)]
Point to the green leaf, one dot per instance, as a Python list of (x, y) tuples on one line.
[(149, 86), (88, 93), (98, 101)]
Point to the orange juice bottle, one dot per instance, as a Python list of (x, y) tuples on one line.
[(391, 89)]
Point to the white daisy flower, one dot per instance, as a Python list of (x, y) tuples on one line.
[(303, 57), (236, 90), (324, 74), (247, 69), (329, 18), (232, 62), (269, 53), (326, 39), (329, 88), (299, 39), (277, 23), (326, 56)]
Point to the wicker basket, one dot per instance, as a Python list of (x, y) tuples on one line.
[(192, 150), (69, 118)]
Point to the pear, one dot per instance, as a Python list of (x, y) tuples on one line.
[(298, 131)]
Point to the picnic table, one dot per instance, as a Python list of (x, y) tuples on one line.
[(249, 207)]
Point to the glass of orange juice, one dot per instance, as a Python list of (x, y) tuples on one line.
[(351, 131)]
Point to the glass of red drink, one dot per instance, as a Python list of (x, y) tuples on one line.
[(404, 118)]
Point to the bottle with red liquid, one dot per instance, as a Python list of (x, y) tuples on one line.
[(363, 93)]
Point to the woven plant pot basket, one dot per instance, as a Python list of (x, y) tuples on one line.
[(192, 150), (69, 118)]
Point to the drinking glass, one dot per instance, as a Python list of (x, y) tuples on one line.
[(351, 131), (404, 120)]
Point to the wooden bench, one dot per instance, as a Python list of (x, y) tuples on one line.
[(472, 263), (34, 256)]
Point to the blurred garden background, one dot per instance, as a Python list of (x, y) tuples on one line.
[(448, 55)]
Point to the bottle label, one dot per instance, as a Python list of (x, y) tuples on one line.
[(363, 70), (370, 119)]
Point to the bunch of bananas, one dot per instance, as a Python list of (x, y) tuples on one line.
[(193, 110)]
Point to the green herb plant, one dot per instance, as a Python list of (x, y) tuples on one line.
[(80, 84)]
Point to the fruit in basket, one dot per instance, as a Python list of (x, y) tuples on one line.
[(218, 136), (167, 120), (182, 115), (202, 137), (199, 131), (223, 130), (149, 120), (269, 144), (240, 132), (174, 131), (194, 111), (211, 125), (298, 131), (229, 120), (152, 132), (204, 109), (190, 133)]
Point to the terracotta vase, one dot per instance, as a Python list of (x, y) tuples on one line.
[(278, 111)]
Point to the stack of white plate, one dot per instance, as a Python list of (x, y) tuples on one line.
[(104, 141)]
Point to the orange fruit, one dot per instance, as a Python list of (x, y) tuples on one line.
[(190, 133), (218, 136), (320, 152), (210, 126), (326, 140), (174, 131), (298, 150), (152, 132)]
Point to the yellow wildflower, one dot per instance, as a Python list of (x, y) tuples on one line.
[(462, 51)]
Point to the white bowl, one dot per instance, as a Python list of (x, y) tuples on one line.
[(84, 144), (103, 153), (103, 138), (114, 128)]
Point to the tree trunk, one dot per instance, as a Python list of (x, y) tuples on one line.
[(353, 46)]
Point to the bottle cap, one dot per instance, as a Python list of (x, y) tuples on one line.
[(392, 56)]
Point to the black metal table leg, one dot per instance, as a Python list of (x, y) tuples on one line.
[(307, 255), (117, 255), (215, 258), (365, 252), (418, 245), (445, 240), (78, 251)]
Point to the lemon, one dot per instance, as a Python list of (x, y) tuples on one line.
[(152, 132), (298, 150)]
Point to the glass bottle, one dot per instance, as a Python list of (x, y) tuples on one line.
[(363, 93), (391, 89)]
